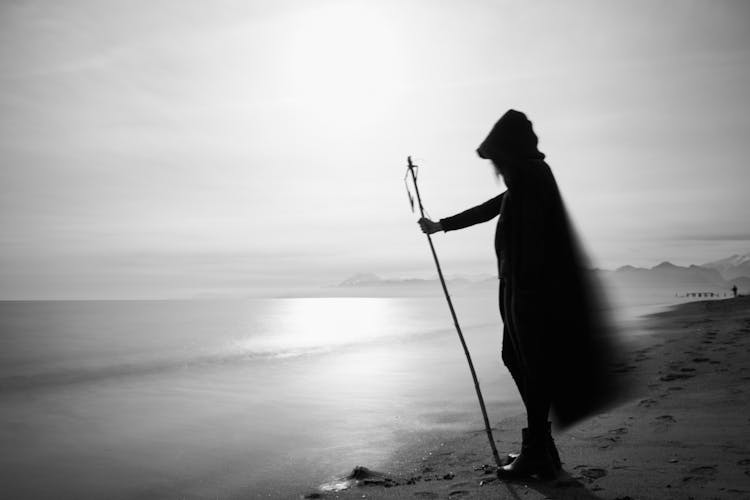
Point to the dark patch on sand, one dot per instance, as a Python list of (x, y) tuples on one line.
[(426, 494), (702, 474)]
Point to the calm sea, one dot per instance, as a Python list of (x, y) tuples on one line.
[(241, 399), (251, 398)]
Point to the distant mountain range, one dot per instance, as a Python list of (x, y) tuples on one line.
[(667, 276), (736, 266), (718, 277), (715, 276), (369, 279)]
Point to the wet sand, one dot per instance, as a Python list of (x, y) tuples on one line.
[(685, 435)]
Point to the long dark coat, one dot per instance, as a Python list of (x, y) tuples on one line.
[(553, 312)]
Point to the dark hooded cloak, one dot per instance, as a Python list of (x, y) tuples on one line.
[(554, 320)]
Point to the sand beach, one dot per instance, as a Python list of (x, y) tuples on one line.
[(683, 435)]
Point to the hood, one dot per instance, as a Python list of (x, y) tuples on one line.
[(513, 135)]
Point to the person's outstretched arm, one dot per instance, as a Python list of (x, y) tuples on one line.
[(475, 215)]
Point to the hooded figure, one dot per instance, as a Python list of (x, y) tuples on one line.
[(556, 342)]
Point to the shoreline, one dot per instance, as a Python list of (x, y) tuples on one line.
[(680, 436)]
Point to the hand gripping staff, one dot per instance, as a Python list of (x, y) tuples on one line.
[(412, 169)]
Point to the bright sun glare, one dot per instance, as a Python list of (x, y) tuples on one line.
[(300, 325)]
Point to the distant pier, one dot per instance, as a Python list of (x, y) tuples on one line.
[(703, 294)]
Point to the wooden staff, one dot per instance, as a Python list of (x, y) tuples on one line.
[(487, 428)]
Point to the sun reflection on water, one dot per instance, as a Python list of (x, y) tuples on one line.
[(299, 326)]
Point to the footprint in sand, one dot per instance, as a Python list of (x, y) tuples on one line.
[(664, 422), (701, 474), (647, 403), (675, 376), (458, 494), (641, 356), (426, 494), (604, 441), (623, 368), (591, 474)]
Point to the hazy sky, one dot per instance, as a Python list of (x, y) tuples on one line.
[(181, 148)]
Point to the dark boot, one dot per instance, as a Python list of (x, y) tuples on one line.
[(550, 445), (534, 459)]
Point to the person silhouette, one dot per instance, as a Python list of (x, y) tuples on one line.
[(554, 343), (734, 290)]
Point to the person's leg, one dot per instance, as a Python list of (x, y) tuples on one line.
[(536, 457), (528, 331), (512, 363), (510, 350), (510, 358), (538, 391), (537, 404)]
